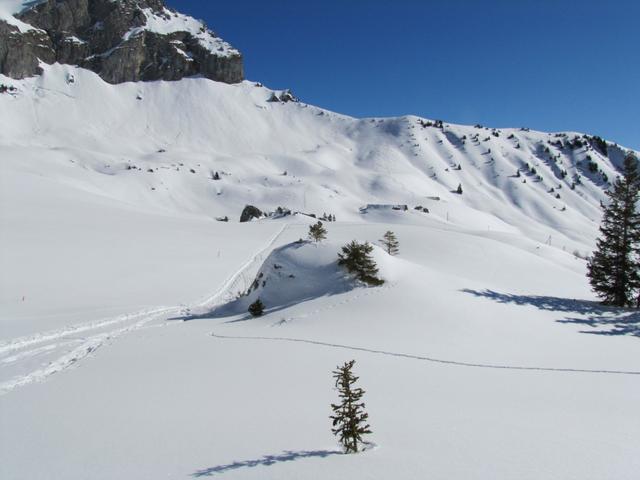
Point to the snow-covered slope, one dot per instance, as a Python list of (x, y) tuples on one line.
[(10, 8), (158, 144), (483, 355)]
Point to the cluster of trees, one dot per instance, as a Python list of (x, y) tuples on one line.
[(436, 124), (7, 88), (599, 144), (613, 269), (355, 257)]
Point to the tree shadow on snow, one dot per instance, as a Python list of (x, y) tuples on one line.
[(238, 307), (265, 461), (602, 319)]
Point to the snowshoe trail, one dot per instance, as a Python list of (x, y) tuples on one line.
[(425, 358), (34, 358)]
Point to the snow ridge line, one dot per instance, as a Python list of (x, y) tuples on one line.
[(225, 288), (427, 359)]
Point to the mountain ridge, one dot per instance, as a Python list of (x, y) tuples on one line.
[(159, 144), (128, 40)]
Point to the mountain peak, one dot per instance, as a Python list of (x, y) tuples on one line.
[(122, 41)]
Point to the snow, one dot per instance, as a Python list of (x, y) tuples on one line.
[(10, 8), (126, 350)]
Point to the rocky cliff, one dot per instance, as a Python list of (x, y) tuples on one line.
[(122, 40)]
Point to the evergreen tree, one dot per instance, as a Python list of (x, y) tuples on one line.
[(317, 232), (356, 258), (349, 419), (390, 243), (613, 267), (459, 189), (256, 309)]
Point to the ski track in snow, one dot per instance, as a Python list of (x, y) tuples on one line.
[(424, 358), (28, 347)]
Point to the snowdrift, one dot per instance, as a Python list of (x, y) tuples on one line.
[(295, 273)]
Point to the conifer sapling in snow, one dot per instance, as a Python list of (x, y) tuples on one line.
[(256, 309), (390, 243), (349, 418), (613, 267), (317, 232), (356, 258)]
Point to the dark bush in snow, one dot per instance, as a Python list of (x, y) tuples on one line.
[(256, 309)]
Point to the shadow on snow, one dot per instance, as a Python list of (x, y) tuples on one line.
[(231, 309), (265, 461), (602, 319)]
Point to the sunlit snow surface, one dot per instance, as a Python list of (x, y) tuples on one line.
[(125, 353), (9, 8)]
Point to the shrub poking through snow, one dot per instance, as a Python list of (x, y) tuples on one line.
[(256, 309), (349, 419), (317, 232), (459, 189), (356, 258), (390, 243)]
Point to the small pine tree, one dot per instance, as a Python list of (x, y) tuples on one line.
[(390, 243), (256, 309), (349, 421), (613, 267), (356, 258), (317, 232), (459, 189)]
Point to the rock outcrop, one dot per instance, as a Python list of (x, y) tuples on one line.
[(126, 40), (249, 213)]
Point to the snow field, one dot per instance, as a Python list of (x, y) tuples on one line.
[(124, 355)]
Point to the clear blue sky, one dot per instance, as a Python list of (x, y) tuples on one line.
[(544, 64)]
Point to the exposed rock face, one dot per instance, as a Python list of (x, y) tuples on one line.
[(249, 213), (19, 53), (125, 40)]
